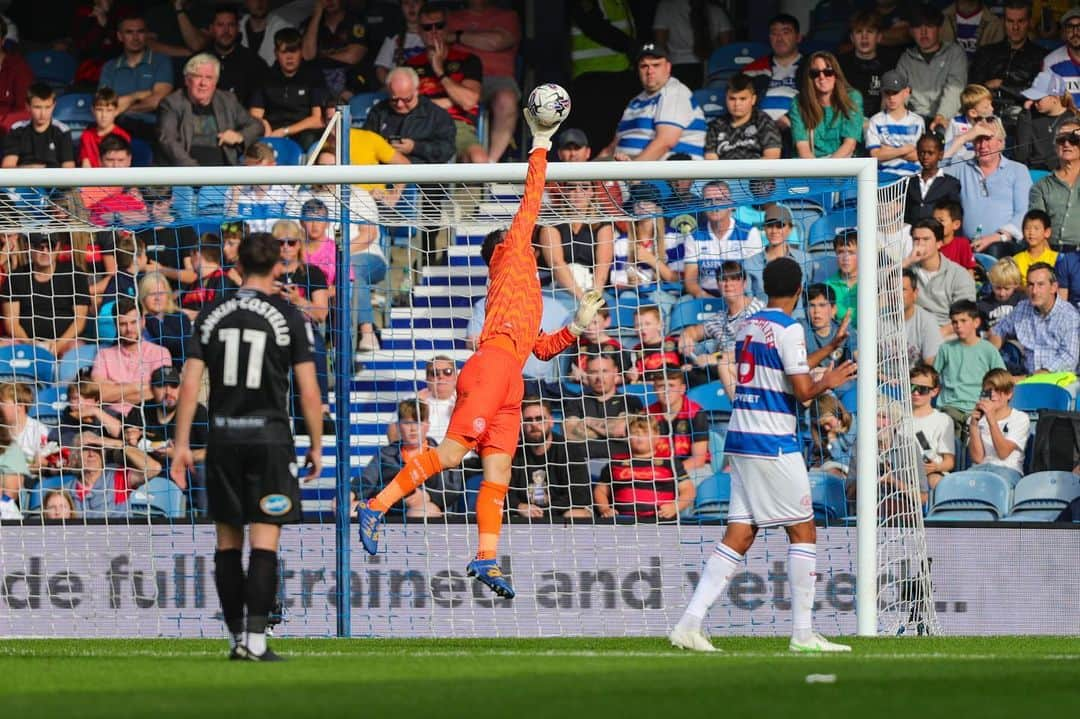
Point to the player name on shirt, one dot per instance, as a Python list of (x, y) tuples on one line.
[(261, 307)]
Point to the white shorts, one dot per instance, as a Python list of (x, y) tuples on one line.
[(769, 491)]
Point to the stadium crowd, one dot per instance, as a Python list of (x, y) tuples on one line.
[(975, 102)]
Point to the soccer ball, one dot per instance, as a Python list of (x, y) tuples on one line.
[(549, 104)]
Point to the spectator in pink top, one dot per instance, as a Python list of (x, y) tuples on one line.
[(493, 34), (123, 370), (320, 249)]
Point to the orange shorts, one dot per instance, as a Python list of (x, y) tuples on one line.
[(487, 412)]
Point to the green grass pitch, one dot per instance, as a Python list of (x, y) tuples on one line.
[(1014, 677)]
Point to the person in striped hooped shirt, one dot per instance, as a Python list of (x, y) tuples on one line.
[(769, 482), (663, 119)]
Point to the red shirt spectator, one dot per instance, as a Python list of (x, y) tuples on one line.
[(90, 141), (459, 66), (15, 79)]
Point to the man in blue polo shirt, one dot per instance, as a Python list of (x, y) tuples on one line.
[(141, 78)]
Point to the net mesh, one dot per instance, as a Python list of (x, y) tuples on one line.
[(143, 564)]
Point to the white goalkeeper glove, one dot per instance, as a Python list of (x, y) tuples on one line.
[(590, 304), (541, 134)]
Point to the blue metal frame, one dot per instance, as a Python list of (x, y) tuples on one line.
[(343, 354)]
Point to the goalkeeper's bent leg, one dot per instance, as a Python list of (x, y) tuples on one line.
[(489, 510), (415, 472)]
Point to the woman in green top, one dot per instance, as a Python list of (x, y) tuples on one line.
[(827, 117)]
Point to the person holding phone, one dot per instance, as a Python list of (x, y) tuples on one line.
[(933, 429), (998, 432)]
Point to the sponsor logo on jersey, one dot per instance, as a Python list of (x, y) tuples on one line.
[(276, 505)]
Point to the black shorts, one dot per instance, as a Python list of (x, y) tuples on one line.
[(248, 483)]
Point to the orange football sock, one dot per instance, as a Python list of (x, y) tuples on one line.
[(489, 509), (412, 475)]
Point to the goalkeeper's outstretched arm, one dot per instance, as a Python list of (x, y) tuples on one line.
[(549, 345), (521, 230)]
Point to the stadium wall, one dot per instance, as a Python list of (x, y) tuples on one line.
[(157, 580)]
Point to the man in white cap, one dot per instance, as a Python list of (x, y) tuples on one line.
[(1039, 122)]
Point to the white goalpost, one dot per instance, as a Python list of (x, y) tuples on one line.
[(572, 578)]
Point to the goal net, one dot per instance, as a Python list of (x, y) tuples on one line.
[(620, 488)]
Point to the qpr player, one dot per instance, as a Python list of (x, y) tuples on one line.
[(769, 483)]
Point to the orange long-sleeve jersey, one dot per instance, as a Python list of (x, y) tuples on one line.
[(514, 305)]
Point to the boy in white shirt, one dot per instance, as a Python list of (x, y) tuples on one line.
[(891, 135), (934, 430)]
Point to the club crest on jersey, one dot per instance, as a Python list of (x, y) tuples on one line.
[(276, 505), (479, 425)]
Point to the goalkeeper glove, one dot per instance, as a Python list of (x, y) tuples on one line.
[(541, 134), (590, 304)]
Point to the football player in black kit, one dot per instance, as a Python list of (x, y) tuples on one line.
[(248, 341)]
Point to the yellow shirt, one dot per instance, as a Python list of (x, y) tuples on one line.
[(1024, 260), (369, 148)]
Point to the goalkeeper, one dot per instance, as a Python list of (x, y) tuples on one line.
[(487, 414)]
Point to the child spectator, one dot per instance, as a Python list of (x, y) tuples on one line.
[(319, 247), (976, 106), (844, 283), (962, 360), (1038, 125), (950, 213), (1037, 232), (922, 330), (941, 281), (643, 486), (259, 205), (998, 433), (832, 436), (231, 235), (1005, 281), (39, 142), (106, 108), (934, 431), (29, 434), (683, 424), (932, 184), (211, 278), (891, 134), (654, 351), (868, 60)]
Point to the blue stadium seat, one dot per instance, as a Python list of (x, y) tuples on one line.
[(826, 227), (823, 265), (360, 105), (974, 491), (730, 59), (76, 110), (985, 261), (1036, 396), (711, 397), (286, 151), (693, 312), (142, 155), (1043, 495), (850, 400), (643, 391), (159, 497), (27, 363), (717, 437), (828, 495), (711, 101), (713, 497), (54, 67), (49, 404), (804, 213)]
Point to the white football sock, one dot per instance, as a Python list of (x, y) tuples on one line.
[(802, 562), (714, 580), (256, 643)]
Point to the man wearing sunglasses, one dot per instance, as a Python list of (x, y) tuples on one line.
[(1056, 193), (438, 395), (1065, 61)]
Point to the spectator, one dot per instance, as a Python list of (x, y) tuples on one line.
[(828, 335), (827, 116), (163, 321), (1036, 131), (682, 423), (39, 142), (15, 80), (936, 70), (259, 27), (976, 106), (895, 28), (440, 494), (722, 326), (319, 248), (689, 32), (106, 106), (549, 477), (94, 36), (942, 282), (210, 279), (934, 430), (643, 486), (579, 254), (27, 434), (201, 125), (413, 124), (778, 226), (594, 340), (1055, 193), (398, 49), (832, 436), (1068, 272), (1009, 66), (1037, 233), (1005, 283), (654, 350), (844, 283), (652, 254), (13, 474), (115, 206), (599, 417), (102, 490), (922, 329), (950, 213), (994, 191), (1065, 61), (663, 119), (722, 238), (58, 505), (961, 360), (46, 303), (745, 132), (891, 135), (176, 27), (492, 34), (439, 395), (83, 413), (933, 184), (1046, 327), (242, 69), (868, 59), (334, 39), (776, 75), (289, 99), (123, 370), (998, 433), (260, 205), (971, 25), (141, 77)]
